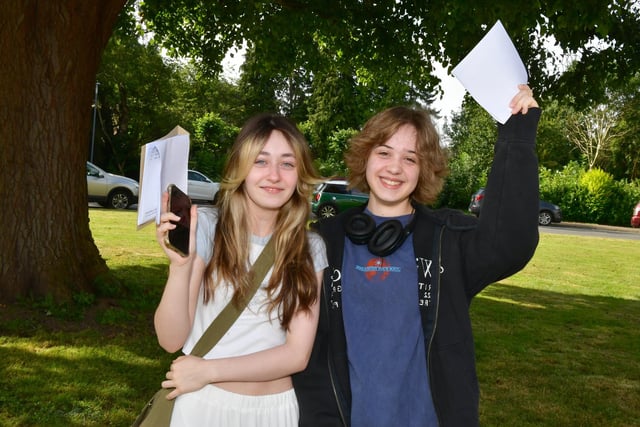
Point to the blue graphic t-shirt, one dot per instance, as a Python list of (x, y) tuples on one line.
[(387, 362)]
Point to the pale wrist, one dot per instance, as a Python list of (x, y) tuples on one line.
[(211, 370), (180, 270)]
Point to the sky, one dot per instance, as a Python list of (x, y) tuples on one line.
[(453, 94)]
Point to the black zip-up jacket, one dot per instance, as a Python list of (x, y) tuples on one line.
[(457, 256)]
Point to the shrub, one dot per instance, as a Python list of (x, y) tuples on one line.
[(589, 196), (561, 187), (598, 189)]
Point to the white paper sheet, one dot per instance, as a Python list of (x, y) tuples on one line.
[(162, 162), (492, 71)]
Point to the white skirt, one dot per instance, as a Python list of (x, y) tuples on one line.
[(213, 406)]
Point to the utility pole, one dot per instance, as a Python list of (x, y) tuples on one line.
[(95, 110)]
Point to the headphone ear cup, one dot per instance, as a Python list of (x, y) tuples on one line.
[(387, 238), (360, 228)]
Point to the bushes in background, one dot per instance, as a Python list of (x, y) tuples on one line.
[(589, 196)]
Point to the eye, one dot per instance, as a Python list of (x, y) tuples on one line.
[(260, 162), (411, 160), (288, 165)]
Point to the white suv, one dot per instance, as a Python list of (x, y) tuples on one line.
[(109, 190)]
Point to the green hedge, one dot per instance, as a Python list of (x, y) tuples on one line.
[(589, 196)]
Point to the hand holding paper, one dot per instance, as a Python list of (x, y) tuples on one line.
[(492, 71), (162, 162)]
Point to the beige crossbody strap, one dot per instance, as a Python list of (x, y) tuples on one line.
[(230, 313)]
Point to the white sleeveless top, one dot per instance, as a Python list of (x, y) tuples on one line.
[(256, 329)]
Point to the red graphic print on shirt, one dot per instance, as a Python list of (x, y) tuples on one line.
[(378, 267)]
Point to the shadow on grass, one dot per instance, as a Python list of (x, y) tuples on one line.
[(97, 369), (550, 358), (91, 381)]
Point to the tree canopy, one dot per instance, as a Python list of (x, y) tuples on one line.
[(399, 40)]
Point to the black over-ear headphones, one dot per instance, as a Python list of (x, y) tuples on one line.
[(382, 240)]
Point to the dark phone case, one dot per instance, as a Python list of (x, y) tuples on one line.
[(179, 204)]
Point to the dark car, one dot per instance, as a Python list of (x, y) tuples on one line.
[(635, 216), (333, 196), (548, 211)]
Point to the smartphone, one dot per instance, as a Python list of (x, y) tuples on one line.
[(179, 204)]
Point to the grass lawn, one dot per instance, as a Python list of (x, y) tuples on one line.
[(558, 344)]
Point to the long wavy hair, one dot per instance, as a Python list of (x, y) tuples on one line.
[(293, 283), (378, 129)]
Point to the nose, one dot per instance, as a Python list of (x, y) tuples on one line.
[(394, 165), (274, 173)]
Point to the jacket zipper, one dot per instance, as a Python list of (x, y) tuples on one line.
[(335, 393), (331, 374), (435, 322)]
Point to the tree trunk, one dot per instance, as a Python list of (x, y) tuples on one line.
[(50, 51)]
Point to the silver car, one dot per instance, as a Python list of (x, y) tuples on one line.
[(109, 190), (200, 187)]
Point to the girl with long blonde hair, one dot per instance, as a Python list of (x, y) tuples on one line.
[(245, 380)]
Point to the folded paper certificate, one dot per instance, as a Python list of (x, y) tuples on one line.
[(162, 162), (492, 71)]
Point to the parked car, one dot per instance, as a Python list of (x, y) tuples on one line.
[(548, 211), (200, 187), (635, 216), (333, 196), (109, 190)]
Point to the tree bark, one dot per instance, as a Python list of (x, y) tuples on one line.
[(49, 55)]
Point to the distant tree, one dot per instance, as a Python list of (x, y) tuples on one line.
[(333, 163), (143, 95), (293, 93), (345, 100), (212, 138), (471, 136), (258, 88), (625, 149), (137, 98), (593, 132), (554, 149), (334, 105)]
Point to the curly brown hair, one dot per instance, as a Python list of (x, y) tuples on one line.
[(431, 155)]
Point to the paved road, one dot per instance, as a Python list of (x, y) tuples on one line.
[(593, 230)]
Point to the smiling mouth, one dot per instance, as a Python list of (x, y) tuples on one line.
[(272, 189), (390, 182)]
